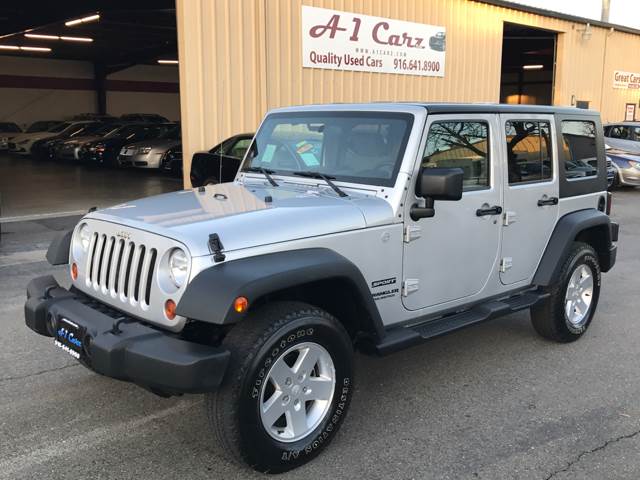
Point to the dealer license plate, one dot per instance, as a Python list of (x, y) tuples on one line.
[(69, 337)]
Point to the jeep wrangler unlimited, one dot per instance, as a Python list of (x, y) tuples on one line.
[(375, 227)]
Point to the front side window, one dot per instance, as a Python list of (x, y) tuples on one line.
[(240, 148), (460, 144), (358, 147), (579, 148), (528, 151)]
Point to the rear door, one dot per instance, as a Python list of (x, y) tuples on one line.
[(531, 193)]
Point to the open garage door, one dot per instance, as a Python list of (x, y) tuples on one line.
[(90, 105), (528, 65)]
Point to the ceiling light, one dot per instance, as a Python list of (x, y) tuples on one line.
[(9, 47), (77, 39), (56, 37), (43, 37), (532, 67), (36, 49), (77, 21), (168, 62)]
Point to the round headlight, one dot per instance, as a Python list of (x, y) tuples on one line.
[(85, 237), (178, 267)]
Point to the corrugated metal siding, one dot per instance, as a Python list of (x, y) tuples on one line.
[(240, 58)]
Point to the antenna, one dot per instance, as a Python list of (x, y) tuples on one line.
[(222, 141)]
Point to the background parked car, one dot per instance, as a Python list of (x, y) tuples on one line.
[(624, 136), (42, 126), (21, 144), (8, 130), (149, 153), (627, 166), (105, 150), (143, 118), (221, 163), (94, 116), (69, 148), (43, 149)]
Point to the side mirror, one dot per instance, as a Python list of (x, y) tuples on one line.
[(436, 184)]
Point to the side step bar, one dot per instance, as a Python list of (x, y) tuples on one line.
[(404, 337)]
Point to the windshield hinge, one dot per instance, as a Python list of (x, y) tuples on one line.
[(215, 245)]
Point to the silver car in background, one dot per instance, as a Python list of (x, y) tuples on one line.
[(623, 136), (149, 153)]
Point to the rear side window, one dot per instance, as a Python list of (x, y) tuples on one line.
[(528, 151), (460, 144), (579, 148)]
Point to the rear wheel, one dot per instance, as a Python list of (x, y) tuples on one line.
[(288, 386), (568, 311)]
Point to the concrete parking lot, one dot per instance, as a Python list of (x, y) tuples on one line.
[(32, 187), (490, 402)]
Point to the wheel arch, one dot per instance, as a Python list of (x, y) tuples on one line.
[(318, 276), (590, 226)]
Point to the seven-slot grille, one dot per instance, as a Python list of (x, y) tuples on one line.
[(121, 268)]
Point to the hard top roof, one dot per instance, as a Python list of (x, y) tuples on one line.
[(454, 108)]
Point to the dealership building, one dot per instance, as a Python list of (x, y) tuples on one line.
[(219, 66)]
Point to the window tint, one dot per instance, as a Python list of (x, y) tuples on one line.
[(463, 145), (579, 148), (240, 147), (528, 151), (618, 131)]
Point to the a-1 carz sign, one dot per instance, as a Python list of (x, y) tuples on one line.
[(339, 40)]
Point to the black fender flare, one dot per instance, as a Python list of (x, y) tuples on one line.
[(564, 234), (58, 251), (210, 295)]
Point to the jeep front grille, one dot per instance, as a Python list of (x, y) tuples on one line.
[(121, 269)]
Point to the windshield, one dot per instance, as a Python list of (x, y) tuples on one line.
[(9, 127), (358, 147), (173, 133), (42, 126), (60, 127), (106, 129)]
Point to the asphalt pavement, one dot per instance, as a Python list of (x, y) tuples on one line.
[(493, 401)]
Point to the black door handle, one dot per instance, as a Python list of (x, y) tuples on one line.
[(548, 201), (495, 210)]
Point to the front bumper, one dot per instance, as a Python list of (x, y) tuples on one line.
[(146, 160), (131, 351), (629, 177)]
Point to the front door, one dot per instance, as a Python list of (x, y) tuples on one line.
[(451, 256), (530, 193)]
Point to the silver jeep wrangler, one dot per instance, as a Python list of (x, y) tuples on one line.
[(373, 227)]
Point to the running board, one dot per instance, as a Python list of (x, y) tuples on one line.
[(403, 337)]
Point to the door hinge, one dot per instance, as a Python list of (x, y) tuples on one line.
[(412, 232), (410, 285), (508, 218), (505, 264)]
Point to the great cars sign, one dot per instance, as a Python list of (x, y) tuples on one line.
[(337, 40), (626, 80)]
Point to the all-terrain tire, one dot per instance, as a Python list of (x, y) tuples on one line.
[(256, 344), (550, 318)]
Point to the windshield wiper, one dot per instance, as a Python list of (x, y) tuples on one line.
[(322, 176), (265, 171)]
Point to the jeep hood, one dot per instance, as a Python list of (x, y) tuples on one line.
[(242, 218)]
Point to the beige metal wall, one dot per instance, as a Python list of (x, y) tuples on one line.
[(239, 58)]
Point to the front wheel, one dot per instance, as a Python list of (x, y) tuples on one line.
[(568, 311), (288, 387)]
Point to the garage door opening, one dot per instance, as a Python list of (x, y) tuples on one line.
[(90, 110), (528, 61)]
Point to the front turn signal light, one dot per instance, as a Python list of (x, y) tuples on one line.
[(241, 304), (170, 309), (74, 271)]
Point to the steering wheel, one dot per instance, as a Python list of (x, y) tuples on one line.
[(295, 156)]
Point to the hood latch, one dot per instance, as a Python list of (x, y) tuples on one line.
[(216, 247)]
